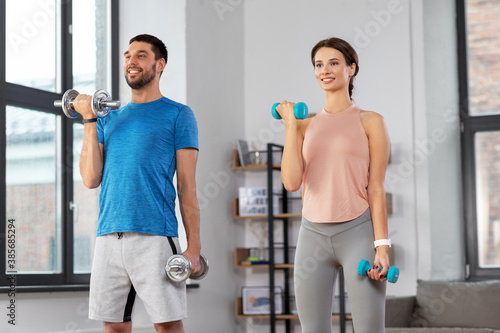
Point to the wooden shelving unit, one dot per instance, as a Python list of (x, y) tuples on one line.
[(241, 254)]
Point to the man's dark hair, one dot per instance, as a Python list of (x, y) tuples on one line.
[(158, 46)]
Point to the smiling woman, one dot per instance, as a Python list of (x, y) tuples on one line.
[(333, 52), (339, 158)]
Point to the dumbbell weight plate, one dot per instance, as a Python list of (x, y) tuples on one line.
[(203, 269), (275, 113), (363, 267), (100, 97), (300, 110), (393, 274), (178, 268), (67, 103)]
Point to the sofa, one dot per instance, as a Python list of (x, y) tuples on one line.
[(446, 307)]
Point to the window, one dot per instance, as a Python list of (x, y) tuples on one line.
[(479, 72), (85, 207), (31, 189), (49, 217), (32, 32)]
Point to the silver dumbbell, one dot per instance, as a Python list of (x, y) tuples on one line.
[(101, 103), (179, 268)]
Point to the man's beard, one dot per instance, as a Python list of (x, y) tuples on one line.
[(144, 80)]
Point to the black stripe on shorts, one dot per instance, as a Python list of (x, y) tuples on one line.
[(127, 316), (172, 245)]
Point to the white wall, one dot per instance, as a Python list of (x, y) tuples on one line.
[(383, 84), (408, 74), (279, 67), (215, 92), (445, 194), (167, 21)]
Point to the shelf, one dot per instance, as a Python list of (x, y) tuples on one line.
[(259, 217), (241, 254), (237, 164), (238, 311)]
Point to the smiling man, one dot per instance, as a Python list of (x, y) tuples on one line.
[(133, 154)]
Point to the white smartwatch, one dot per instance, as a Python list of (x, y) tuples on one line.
[(379, 242)]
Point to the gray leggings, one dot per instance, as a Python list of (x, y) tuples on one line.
[(323, 248)]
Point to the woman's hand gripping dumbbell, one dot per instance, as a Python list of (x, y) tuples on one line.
[(392, 274), (299, 110), (89, 106), (179, 268)]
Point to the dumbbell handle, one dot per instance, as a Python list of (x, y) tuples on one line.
[(106, 104), (179, 268), (101, 103), (175, 268), (392, 273), (299, 110), (109, 104)]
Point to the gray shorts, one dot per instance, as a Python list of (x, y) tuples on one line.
[(133, 264)]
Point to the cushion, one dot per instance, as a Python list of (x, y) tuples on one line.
[(398, 311), (439, 330), (457, 304)]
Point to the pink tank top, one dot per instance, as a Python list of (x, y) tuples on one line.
[(336, 161)]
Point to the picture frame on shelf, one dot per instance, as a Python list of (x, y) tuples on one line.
[(243, 153), (256, 300)]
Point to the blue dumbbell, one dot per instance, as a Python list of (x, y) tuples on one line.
[(299, 110), (392, 274)]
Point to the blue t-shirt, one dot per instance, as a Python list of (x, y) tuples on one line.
[(137, 190)]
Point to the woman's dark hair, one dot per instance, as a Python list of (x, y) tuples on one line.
[(350, 55), (158, 46)]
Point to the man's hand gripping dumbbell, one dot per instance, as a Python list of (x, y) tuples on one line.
[(90, 107), (179, 268)]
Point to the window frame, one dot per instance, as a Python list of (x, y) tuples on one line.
[(470, 125), (31, 98)]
